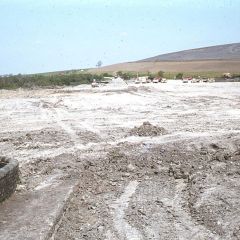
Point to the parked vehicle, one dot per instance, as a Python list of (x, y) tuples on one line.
[(94, 83), (211, 80), (204, 79), (136, 81), (195, 80), (143, 79)]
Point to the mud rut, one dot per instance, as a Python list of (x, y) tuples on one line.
[(124, 195), (175, 189), (150, 200)]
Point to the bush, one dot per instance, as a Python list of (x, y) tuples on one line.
[(160, 74), (179, 76), (40, 80)]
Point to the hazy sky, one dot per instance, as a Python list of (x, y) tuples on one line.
[(49, 35)]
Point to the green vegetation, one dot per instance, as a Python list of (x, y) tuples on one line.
[(171, 75), (76, 77), (47, 80), (160, 74), (179, 76), (236, 75), (126, 75)]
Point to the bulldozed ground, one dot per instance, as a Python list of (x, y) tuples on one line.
[(121, 162)]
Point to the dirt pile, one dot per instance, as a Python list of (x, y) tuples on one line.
[(88, 136), (147, 129)]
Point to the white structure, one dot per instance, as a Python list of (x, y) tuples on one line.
[(143, 79), (94, 83)]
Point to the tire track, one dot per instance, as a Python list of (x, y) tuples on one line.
[(124, 229)]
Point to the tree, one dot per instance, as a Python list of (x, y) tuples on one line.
[(99, 64), (119, 73), (160, 74), (107, 75), (179, 76), (125, 76)]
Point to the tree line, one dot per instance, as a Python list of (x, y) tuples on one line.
[(42, 80)]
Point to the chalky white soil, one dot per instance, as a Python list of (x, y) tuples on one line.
[(183, 184)]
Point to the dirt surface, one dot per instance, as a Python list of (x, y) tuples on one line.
[(155, 162)]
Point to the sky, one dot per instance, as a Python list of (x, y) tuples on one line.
[(52, 35)]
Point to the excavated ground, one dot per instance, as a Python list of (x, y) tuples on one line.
[(148, 162)]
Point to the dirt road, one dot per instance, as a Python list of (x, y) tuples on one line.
[(177, 176)]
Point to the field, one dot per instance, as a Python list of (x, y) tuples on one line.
[(214, 67), (123, 162)]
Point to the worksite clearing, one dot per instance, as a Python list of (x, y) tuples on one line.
[(123, 162)]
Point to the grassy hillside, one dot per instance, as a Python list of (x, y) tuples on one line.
[(220, 52), (215, 59)]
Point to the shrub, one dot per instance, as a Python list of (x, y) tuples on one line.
[(179, 76), (160, 74)]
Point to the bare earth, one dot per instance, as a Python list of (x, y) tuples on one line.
[(129, 162)]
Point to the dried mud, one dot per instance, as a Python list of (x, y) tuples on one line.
[(176, 176)]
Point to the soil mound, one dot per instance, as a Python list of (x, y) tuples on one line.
[(147, 129)]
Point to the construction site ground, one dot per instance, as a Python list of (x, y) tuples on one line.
[(123, 162)]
